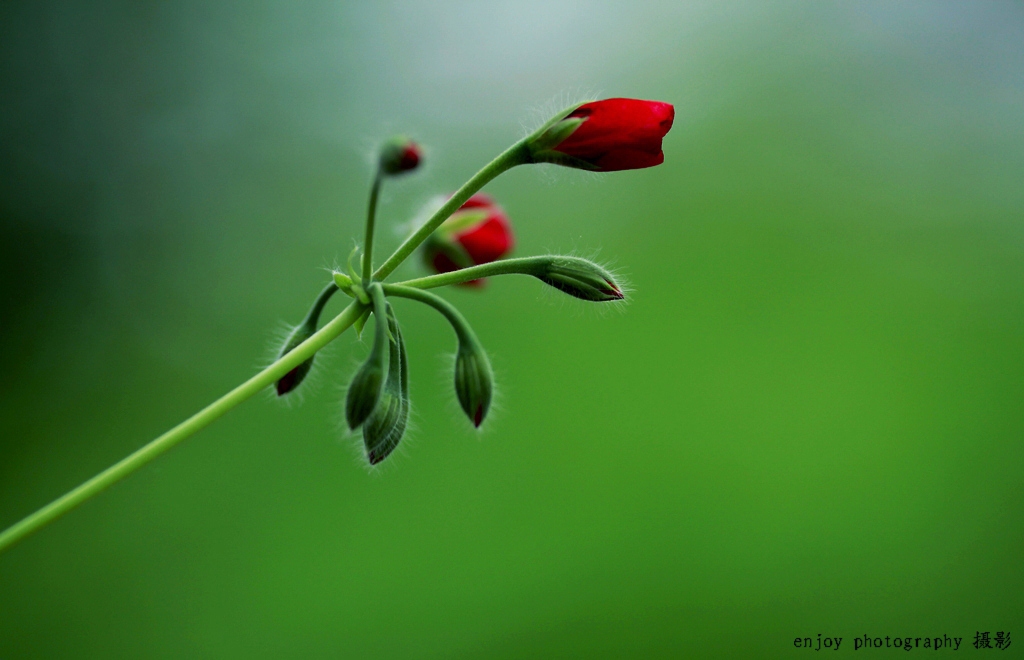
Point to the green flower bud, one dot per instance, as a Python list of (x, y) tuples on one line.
[(399, 155), (579, 278), (293, 378), (474, 381), (365, 389), (364, 392), (299, 334), (384, 429)]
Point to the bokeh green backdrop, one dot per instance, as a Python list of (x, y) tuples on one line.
[(808, 420)]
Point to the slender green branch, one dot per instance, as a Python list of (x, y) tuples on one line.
[(196, 422), (371, 216), (517, 154), (458, 322), (519, 266)]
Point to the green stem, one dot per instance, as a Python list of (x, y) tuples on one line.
[(318, 307), (520, 266), (196, 422), (517, 154), (371, 216), (458, 322)]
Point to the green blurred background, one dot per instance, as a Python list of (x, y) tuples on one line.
[(808, 420)]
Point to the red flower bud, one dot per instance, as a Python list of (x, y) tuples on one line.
[(398, 155), (606, 136), (478, 233)]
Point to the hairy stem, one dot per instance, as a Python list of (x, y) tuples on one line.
[(455, 318), (321, 301), (190, 426), (519, 266), (517, 154), (371, 216)]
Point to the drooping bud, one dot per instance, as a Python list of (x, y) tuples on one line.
[(474, 381), (579, 278), (605, 136), (399, 155), (478, 233), (384, 429), (365, 389), (299, 334)]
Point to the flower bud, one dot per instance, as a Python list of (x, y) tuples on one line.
[(474, 381), (606, 136), (293, 378), (399, 155), (478, 233), (579, 278), (364, 392), (299, 334), (365, 389), (384, 429)]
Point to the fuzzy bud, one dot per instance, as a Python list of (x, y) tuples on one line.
[(579, 278), (364, 392), (301, 333), (365, 389), (293, 378), (386, 425), (399, 155), (474, 381)]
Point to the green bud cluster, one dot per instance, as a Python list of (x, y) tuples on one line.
[(377, 400)]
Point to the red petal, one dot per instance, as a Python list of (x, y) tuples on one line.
[(488, 241), (621, 131)]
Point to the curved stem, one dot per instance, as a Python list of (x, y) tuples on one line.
[(455, 318), (318, 307), (196, 422), (371, 216), (380, 327), (518, 266), (517, 154)]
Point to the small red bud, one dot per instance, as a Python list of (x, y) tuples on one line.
[(399, 155), (478, 233)]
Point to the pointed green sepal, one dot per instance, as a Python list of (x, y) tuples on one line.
[(554, 135)]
